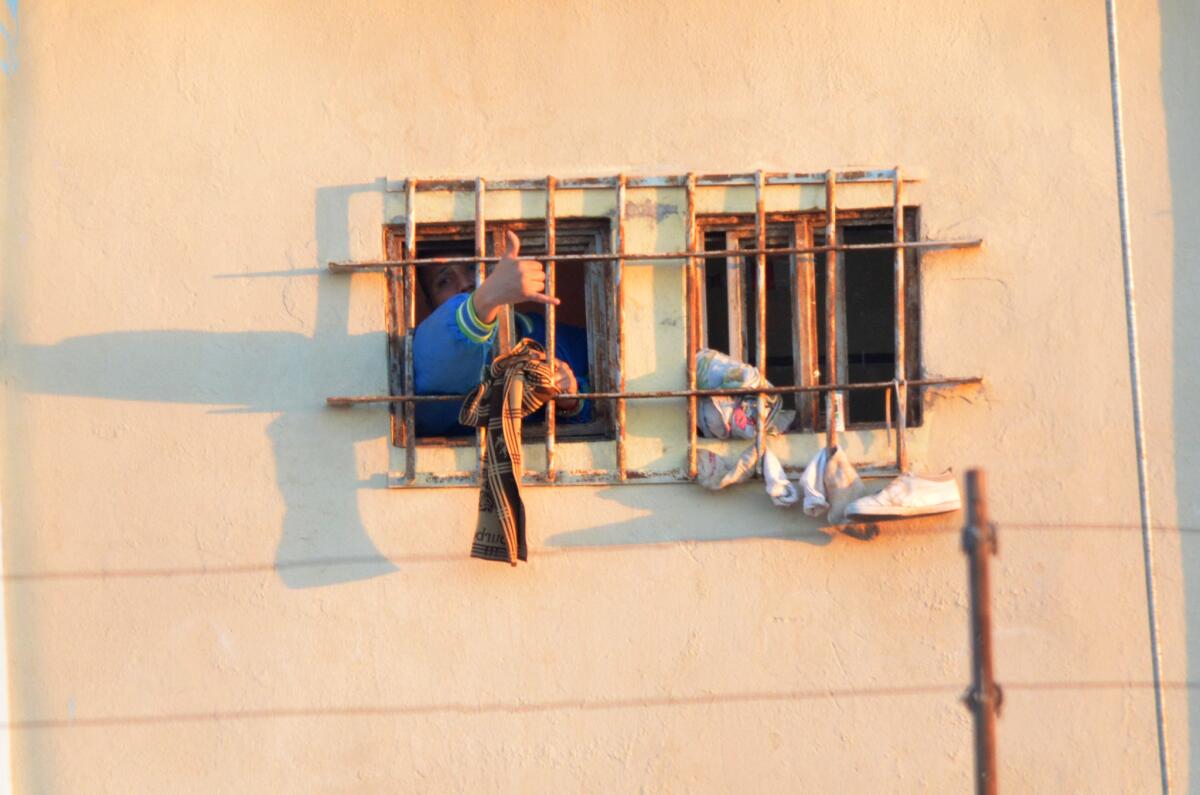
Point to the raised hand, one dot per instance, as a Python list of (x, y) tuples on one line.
[(511, 282)]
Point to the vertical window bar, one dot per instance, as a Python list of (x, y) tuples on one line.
[(619, 298), (887, 411), (395, 338), (760, 309), (480, 274), (551, 323), (410, 322), (735, 268), (900, 329), (831, 303), (410, 252), (692, 318), (500, 240), (804, 326)]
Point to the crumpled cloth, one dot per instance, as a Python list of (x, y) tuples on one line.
[(830, 483), (713, 472), (724, 417), (516, 384)]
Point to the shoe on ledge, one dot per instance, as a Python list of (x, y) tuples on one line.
[(910, 495)]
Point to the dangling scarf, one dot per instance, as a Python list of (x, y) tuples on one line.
[(515, 386)]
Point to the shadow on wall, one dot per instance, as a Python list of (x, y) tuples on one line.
[(323, 540), (659, 523), (1180, 20)]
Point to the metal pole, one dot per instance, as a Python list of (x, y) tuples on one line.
[(1135, 384), (979, 543)]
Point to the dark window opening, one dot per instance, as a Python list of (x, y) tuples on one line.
[(796, 312), (728, 278)]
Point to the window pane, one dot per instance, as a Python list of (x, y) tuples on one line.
[(717, 294), (779, 320), (870, 319), (574, 281), (866, 331)]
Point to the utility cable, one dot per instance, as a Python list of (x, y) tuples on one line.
[(1135, 384)]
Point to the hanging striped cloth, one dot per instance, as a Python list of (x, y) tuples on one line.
[(514, 386)]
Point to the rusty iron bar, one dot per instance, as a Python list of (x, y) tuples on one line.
[(410, 253), (674, 393), (804, 341), (392, 323), (652, 258), (900, 328), (831, 349), (887, 413), (592, 477), (760, 312), (505, 338), (619, 299), (984, 697), (410, 324), (693, 325), (410, 437), (667, 181), (735, 301), (480, 275), (551, 322)]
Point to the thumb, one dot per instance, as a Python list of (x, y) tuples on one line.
[(512, 244)]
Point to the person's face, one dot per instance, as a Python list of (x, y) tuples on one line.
[(446, 281)]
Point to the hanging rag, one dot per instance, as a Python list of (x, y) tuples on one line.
[(713, 472), (726, 416), (830, 483), (516, 384)]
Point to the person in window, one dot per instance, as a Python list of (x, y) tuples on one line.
[(453, 345)]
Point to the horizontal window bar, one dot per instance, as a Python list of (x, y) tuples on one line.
[(664, 181), (926, 245), (594, 477), (359, 400)]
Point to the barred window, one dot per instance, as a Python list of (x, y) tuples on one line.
[(795, 298), (583, 290), (812, 277)]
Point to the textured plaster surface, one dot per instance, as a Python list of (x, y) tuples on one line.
[(209, 587)]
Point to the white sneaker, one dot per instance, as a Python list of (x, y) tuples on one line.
[(911, 495)]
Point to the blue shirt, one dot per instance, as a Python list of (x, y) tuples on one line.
[(452, 346)]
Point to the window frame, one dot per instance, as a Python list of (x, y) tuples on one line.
[(589, 233), (804, 229)]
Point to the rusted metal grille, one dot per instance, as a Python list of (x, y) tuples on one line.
[(401, 312)]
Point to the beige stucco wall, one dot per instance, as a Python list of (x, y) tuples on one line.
[(209, 587)]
